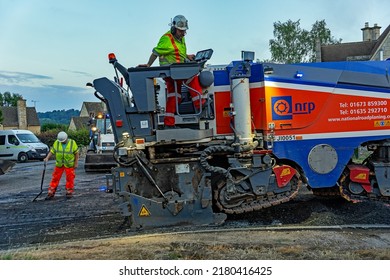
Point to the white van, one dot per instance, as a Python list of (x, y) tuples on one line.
[(21, 145)]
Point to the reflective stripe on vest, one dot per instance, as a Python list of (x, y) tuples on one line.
[(173, 94), (195, 98), (64, 157), (172, 115), (177, 54)]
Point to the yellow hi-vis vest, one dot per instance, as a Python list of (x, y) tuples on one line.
[(65, 157), (170, 50)]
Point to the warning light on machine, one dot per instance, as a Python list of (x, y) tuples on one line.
[(298, 75), (111, 58)]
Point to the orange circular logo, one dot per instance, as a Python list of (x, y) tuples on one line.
[(281, 107)]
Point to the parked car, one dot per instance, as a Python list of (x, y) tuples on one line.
[(21, 145)]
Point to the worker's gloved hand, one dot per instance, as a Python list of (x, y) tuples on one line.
[(191, 56)]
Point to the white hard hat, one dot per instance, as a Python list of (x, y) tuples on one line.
[(180, 22), (62, 136)]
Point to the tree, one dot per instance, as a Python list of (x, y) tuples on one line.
[(1, 117), (321, 35), (293, 44), (9, 100)]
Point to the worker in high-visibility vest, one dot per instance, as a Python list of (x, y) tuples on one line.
[(66, 153), (172, 48)]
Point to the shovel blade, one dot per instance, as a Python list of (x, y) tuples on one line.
[(6, 165)]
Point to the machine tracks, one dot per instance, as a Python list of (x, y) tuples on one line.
[(343, 191), (255, 203)]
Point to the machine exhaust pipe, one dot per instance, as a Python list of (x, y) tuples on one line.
[(242, 110)]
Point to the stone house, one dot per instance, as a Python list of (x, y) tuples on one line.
[(88, 111), (374, 46), (20, 117)]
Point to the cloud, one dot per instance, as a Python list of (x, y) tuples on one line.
[(20, 77), (77, 72), (52, 97), (42, 91), (63, 88)]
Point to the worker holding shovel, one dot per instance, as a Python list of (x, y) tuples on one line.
[(66, 154)]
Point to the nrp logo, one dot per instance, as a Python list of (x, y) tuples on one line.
[(283, 108)]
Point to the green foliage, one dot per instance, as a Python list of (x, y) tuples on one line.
[(320, 34), (9, 100), (6, 257), (80, 136), (1, 117), (58, 120), (58, 116), (53, 126), (48, 137), (292, 44)]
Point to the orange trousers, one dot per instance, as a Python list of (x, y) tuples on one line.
[(56, 177), (170, 107)]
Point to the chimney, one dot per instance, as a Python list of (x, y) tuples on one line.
[(22, 113), (376, 31), (371, 33)]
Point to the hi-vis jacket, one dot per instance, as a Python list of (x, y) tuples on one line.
[(170, 50), (65, 157)]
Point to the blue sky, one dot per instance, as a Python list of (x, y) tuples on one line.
[(49, 49)]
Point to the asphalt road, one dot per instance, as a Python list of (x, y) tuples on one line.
[(91, 213)]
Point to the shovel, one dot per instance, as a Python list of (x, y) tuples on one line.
[(43, 177)]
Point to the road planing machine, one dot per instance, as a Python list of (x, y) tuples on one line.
[(265, 131)]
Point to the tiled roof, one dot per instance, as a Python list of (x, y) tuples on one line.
[(353, 51), (80, 122), (94, 106), (10, 116), (341, 52)]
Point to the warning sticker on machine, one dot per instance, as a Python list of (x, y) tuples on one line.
[(144, 212), (382, 123)]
